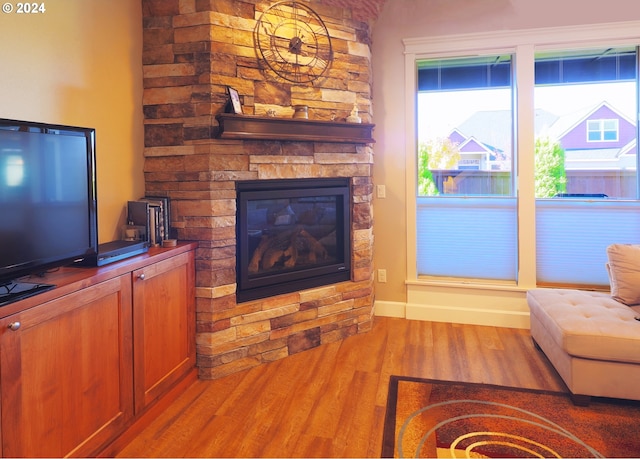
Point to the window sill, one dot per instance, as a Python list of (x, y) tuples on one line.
[(475, 284), (479, 284)]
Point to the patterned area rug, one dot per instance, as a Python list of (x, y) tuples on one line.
[(427, 418)]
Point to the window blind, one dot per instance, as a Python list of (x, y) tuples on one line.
[(467, 237), (572, 237)]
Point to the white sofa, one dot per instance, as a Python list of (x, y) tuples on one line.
[(592, 340)]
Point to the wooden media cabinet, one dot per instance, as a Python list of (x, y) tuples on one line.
[(86, 364)]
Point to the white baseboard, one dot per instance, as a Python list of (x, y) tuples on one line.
[(472, 316), (453, 314), (390, 309)]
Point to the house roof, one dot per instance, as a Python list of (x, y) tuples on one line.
[(629, 148), (566, 123), (472, 145), (483, 122), (602, 158), (456, 136)]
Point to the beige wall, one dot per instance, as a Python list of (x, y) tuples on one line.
[(80, 63), (422, 18)]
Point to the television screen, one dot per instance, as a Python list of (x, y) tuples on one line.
[(47, 197)]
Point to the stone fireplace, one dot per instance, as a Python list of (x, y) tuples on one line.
[(192, 52)]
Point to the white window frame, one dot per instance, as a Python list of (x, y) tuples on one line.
[(443, 300), (601, 129)]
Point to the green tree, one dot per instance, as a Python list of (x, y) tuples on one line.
[(439, 153), (550, 175)]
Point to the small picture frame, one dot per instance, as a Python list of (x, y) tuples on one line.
[(234, 101)]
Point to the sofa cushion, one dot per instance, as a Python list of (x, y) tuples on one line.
[(587, 324), (624, 272)]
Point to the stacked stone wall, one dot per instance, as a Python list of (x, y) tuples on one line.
[(193, 50)]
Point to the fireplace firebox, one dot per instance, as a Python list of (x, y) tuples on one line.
[(291, 235)]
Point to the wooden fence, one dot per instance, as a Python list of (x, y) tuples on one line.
[(620, 184)]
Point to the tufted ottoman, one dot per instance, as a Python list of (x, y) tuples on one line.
[(592, 340)]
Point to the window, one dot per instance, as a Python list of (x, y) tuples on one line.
[(579, 170), (602, 130), (466, 214), (589, 199)]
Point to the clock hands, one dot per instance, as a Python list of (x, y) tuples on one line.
[(295, 45)]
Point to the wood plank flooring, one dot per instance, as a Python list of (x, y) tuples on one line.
[(330, 401)]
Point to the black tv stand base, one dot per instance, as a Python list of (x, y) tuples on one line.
[(15, 291)]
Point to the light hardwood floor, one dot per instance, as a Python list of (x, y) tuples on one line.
[(330, 401)]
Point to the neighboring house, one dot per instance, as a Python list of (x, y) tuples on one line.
[(596, 138), (475, 155), (499, 141)]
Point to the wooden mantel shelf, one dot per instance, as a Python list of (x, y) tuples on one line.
[(249, 127)]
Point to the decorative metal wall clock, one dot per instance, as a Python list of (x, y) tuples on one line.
[(294, 42)]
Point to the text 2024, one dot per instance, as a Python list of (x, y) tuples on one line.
[(30, 8)]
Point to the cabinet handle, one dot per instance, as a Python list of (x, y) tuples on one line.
[(141, 276), (14, 326)]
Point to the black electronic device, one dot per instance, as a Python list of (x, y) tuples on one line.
[(48, 210), (109, 252)]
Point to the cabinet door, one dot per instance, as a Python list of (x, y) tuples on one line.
[(164, 326), (66, 369)]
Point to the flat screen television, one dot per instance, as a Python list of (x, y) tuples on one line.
[(48, 212)]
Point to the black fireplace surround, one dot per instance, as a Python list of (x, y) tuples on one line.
[(292, 234)]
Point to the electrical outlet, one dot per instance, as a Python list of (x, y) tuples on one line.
[(381, 191), (382, 275)]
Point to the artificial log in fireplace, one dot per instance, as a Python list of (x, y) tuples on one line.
[(291, 235)]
